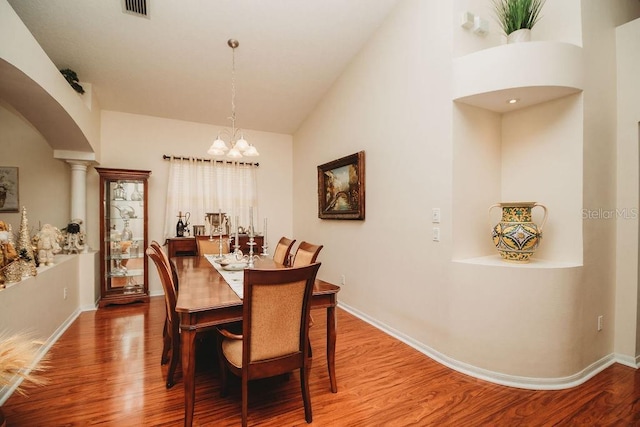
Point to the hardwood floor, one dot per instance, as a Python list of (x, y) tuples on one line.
[(106, 370)]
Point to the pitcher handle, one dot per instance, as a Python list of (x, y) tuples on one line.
[(497, 205), (544, 218)]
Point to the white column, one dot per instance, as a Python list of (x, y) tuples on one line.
[(79, 192)]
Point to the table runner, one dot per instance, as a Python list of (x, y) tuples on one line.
[(235, 279)]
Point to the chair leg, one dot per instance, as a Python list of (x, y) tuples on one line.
[(306, 397), (166, 344), (309, 357), (173, 363), (223, 368), (245, 400)]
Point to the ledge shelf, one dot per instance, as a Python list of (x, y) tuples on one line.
[(531, 72), (535, 263)]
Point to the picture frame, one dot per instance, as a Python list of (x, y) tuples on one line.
[(9, 191), (341, 188)]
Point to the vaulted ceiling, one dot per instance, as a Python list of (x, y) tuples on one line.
[(175, 63)]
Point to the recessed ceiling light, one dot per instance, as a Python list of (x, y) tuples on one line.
[(513, 100)]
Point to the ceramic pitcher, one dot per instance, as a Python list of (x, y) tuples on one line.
[(516, 236)]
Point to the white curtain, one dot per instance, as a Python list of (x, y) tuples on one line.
[(199, 186)]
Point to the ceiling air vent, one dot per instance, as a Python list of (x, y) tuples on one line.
[(135, 7)]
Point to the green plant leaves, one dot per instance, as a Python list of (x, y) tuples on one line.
[(515, 15)]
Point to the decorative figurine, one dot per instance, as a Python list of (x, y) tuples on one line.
[(74, 237), (48, 240), (8, 252)]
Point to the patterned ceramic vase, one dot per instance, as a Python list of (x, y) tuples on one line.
[(516, 237)]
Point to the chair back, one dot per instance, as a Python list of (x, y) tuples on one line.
[(276, 315), (283, 249), (174, 273), (166, 278), (306, 254), (211, 246)]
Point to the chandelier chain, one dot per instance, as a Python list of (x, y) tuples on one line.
[(233, 91)]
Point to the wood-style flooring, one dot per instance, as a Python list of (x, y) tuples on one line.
[(106, 371)]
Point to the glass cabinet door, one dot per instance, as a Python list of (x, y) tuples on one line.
[(123, 236)]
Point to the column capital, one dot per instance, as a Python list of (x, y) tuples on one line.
[(79, 164)]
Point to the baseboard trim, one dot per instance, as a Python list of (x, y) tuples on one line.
[(630, 361), (7, 391), (492, 376)]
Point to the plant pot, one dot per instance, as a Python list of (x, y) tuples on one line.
[(518, 36), (516, 236)]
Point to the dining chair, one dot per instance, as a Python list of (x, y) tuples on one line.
[(171, 333), (306, 254), (275, 331), (174, 273), (211, 246), (283, 249), (166, 348)]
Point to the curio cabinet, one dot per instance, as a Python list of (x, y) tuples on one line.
[(123, 236)]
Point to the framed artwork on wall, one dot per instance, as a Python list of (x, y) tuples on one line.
[(341, 188), (9, 201)]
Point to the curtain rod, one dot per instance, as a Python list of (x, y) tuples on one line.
[(166, 157)]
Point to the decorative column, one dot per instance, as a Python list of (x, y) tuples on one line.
[(79, 192)]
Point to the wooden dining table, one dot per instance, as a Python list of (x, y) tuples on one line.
[(205, 300)]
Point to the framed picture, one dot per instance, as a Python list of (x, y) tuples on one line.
[(341, 188), (9, 189)]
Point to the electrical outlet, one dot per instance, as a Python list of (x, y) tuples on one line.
[(64, 293), (436, 234), (342, 280), (600, 322)]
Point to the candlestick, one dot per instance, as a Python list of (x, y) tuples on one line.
[(235, 240), (251, 218), (264, 230), (265, 244), (220, 234)]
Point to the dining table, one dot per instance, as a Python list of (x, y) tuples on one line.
[(206, 300)]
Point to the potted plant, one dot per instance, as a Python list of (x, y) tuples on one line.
[(18, 362), (517, 17)]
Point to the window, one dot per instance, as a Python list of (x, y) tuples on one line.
[(201, 186)]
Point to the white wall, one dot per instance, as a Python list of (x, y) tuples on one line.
[(131, 141), (45, 188), (599, 288), (627, 301), (37, 305), (395, 102)]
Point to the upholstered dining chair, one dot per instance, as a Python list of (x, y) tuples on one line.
[(283, 249), (306, 254), (171, 333), (211, 246), (275, 330)]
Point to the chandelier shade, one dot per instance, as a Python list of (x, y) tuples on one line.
[(239, 146)]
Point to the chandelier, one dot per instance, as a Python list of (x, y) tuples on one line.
[(239, 146)]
